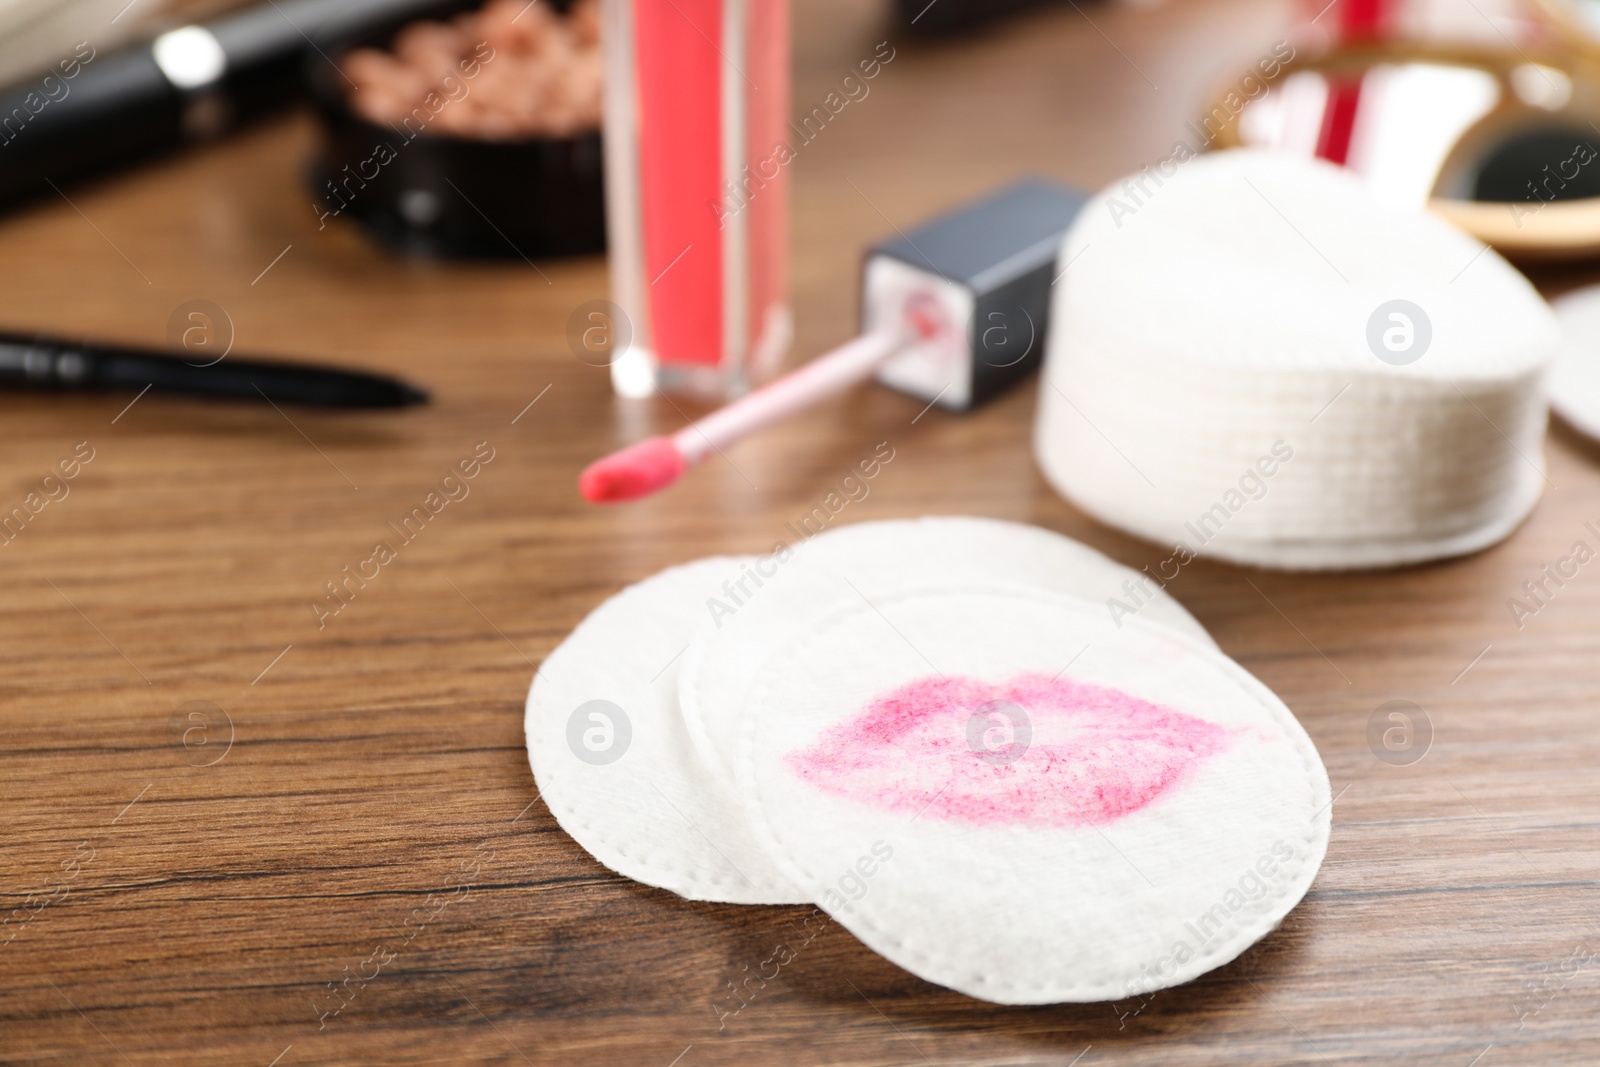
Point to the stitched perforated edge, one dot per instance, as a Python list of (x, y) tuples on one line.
[(1265, 914), (600, 839), (1566, 384), (1327, 555)]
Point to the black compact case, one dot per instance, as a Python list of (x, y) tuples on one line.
[(443, 195)]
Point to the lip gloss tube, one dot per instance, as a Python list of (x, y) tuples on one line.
[(696, 102)]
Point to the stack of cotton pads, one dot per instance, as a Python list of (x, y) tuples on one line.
[(938, 732), (1253, 358)]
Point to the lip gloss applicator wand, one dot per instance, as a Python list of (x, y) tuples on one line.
[(953, 311), (657, 462)]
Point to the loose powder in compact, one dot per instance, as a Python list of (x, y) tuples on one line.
[(510, 71)]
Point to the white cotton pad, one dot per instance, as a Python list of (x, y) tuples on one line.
[(1000, 794), (1257, 360), (1575, 379), (864, 561), (613, 762)]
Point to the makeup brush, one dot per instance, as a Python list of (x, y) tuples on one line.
[(953, 312)]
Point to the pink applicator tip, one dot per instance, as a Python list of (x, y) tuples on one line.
[(632, 472)]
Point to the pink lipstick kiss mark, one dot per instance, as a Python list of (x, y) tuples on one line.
[(1079, 754)]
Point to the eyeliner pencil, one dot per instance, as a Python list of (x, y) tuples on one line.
[(58, 366)]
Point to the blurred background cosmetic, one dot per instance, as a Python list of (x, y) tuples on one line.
[(474, 133), (94, 107), (952, 16), (54, 365), (1489, 118), (698, 145)]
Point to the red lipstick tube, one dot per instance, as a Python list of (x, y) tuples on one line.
[(697, 100)]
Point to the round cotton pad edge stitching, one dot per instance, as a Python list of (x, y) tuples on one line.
[(661, 875), (1568, 310), (1277, 906), (693, 718), (1319, 556)]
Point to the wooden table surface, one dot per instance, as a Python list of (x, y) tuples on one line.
[(214, 809)]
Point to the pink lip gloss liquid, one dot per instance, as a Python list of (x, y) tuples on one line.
[(696, 99)]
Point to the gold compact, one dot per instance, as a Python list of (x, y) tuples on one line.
[(1502, 141)]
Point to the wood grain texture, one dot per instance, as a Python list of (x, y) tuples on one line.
[(177, 913)]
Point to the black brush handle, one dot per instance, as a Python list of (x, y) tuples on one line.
[(94, 111), (60, 367)]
